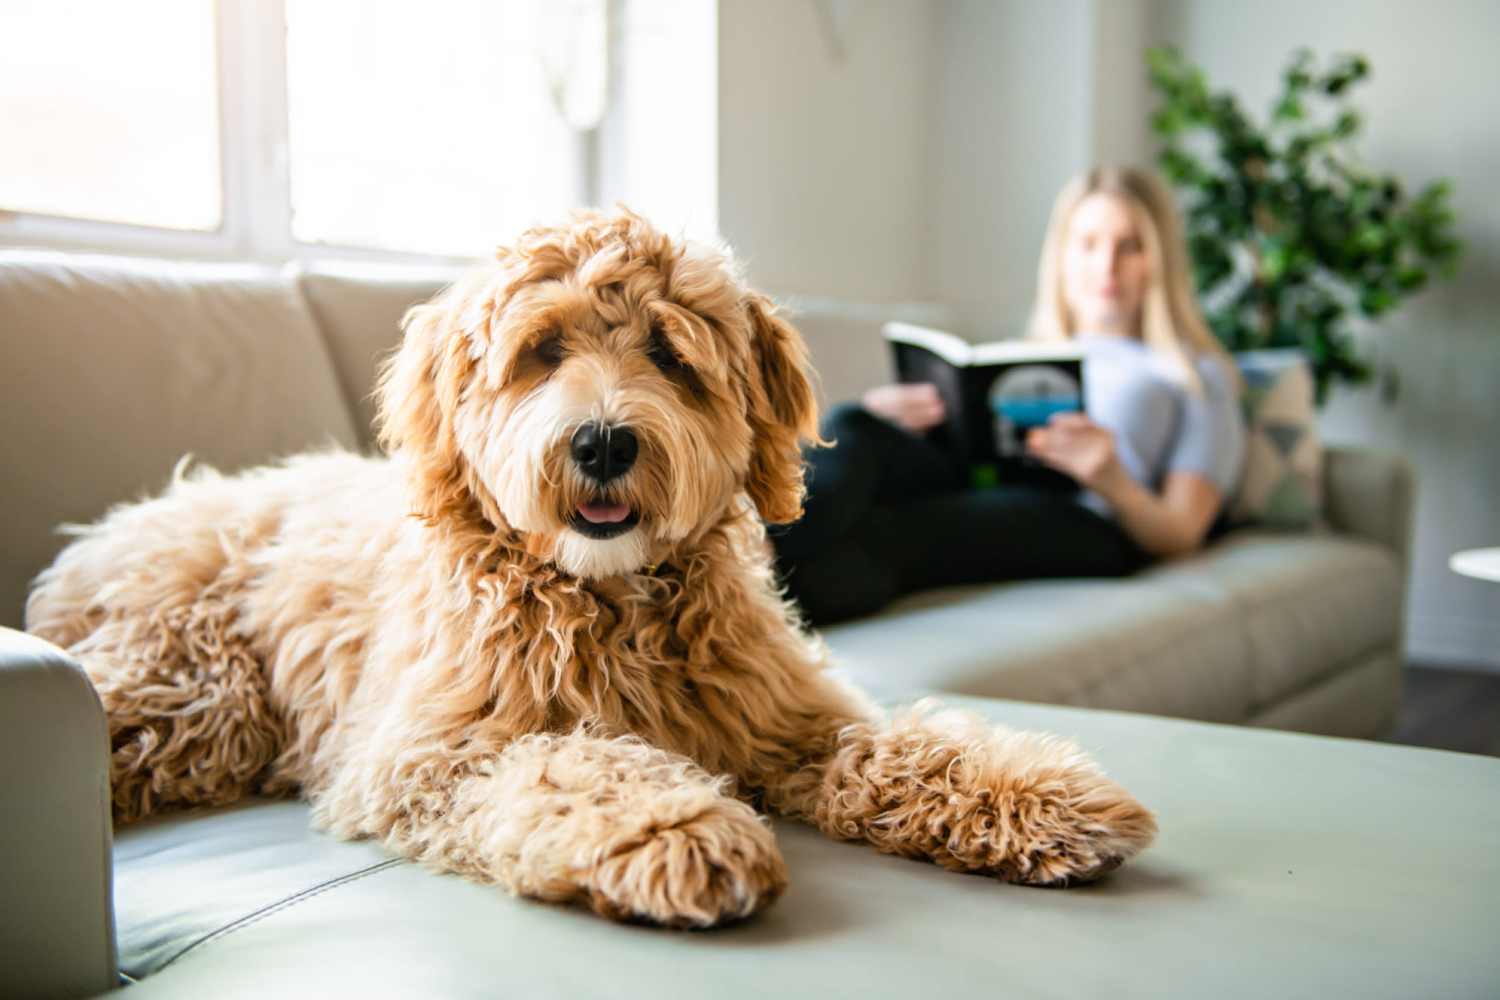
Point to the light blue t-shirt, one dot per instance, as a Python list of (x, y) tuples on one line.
[(1160, 425)]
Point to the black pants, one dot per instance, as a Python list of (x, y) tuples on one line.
[(887, 514)]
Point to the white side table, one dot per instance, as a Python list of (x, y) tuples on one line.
[(1482, 564)]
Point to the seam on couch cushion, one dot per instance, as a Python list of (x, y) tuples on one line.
[(1245, 610), (1265, 703), (1082, 694), (1316, 684), (1254, 612), (1147, 669), (277, 907)]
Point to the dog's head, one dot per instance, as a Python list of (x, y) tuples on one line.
[(602, 389)]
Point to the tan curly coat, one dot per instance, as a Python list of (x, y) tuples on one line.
[(427, 648)]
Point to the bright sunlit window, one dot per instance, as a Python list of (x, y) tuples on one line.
[(665, 103), (110, 111), (434, 126), (265, 128)]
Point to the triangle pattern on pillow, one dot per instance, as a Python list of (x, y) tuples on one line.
[(1285, 436), (1281, 482)]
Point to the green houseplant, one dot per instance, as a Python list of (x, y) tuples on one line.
[(1290, 234)]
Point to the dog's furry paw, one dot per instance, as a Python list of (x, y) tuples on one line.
[(718, 867), (1078, 836), (1055, 821), (1024, 807)]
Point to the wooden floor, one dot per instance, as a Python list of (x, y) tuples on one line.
[(1450, 710)]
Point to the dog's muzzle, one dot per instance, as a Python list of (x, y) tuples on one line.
[(604, 452)]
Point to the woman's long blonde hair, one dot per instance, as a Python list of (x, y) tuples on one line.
[(1171, 321)]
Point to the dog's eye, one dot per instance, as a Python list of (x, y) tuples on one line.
[(661, 354), (549, 351)]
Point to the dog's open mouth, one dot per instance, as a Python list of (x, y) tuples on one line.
[(600, 519)]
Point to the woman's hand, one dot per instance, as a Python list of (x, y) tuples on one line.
[(1169, 523), (1074, 444), (916, 407)]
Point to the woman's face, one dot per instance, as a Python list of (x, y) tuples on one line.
[(1104, 268)]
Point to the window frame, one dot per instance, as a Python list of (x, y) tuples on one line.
[(254, 167)]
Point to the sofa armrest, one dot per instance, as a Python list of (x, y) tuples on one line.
[(57, 932), (1370, 494)]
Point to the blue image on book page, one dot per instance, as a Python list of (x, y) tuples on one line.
[(1027, 396)]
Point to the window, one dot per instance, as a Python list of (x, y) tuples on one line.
[(662, 132), (463, 140), (270, 129), (111, 114)]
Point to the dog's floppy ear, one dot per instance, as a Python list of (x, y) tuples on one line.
[(783, 413), (417, 392)]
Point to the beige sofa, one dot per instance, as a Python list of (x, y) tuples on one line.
[(116, 369), (1263, 883)]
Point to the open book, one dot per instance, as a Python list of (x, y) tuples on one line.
[(994, 393)]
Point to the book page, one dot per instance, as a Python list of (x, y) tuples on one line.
[(951, 348)]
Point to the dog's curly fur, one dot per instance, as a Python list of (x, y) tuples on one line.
[(429, 650)]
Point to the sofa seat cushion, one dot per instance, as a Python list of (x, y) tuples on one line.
[(1218, 636), (1148, 643), (1287, 865), (1308, 606), (115, 369)]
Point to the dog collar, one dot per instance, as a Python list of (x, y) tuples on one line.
[(656, 569)]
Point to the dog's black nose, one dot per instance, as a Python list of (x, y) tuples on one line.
[(604, 452)]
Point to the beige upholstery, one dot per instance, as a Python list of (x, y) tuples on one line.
[(1141, 645), (360, 314), (1222, 635), (1307, 606), (1360, 700), (848, 352), (1370, 494), (114, 370)]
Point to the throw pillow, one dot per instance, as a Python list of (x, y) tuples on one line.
[(1282, 486)]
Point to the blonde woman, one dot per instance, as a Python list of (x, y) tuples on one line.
[(1157, 452)]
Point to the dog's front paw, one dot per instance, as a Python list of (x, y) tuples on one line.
[(720, 866), (1024, 807), (1075, 834), (1047, 816)]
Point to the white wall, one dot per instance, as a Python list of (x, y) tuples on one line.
[(907, 160), (1013, 119), (1430, 111), (920, 163), (823, 180), (1122, 32)]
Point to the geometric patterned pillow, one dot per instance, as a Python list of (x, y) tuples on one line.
[(1282, 484)]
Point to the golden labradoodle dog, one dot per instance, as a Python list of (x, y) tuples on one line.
[(541, 645)]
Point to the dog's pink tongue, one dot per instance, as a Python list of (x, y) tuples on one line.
[(604, 513)]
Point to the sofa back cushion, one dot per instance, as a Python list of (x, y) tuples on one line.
[(115, 369), (359, 309)]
